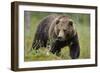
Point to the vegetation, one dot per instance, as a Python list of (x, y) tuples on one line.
[(82, 24)]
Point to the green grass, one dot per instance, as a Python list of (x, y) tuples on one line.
[(83, 30)]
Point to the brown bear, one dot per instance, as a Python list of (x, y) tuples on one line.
[(57, 31)]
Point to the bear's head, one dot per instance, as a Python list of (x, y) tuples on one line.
[(62, 31), (64, 28)]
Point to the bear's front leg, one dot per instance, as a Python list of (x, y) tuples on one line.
[(56, 46), (55, 49), (74, 48)]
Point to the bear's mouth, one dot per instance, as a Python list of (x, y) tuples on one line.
[(60, 39)]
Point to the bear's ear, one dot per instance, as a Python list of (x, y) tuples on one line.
[(71, 23)]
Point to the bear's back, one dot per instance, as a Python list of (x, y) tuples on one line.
[(46, 22)]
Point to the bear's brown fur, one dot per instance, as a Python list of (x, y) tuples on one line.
[(59, 31)]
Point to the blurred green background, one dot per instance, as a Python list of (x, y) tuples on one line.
[(32, 19)]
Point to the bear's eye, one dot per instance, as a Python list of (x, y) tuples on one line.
[(64, 30), (70, 23), (57, 22)]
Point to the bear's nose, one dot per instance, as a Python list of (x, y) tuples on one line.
[(61, 34)]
